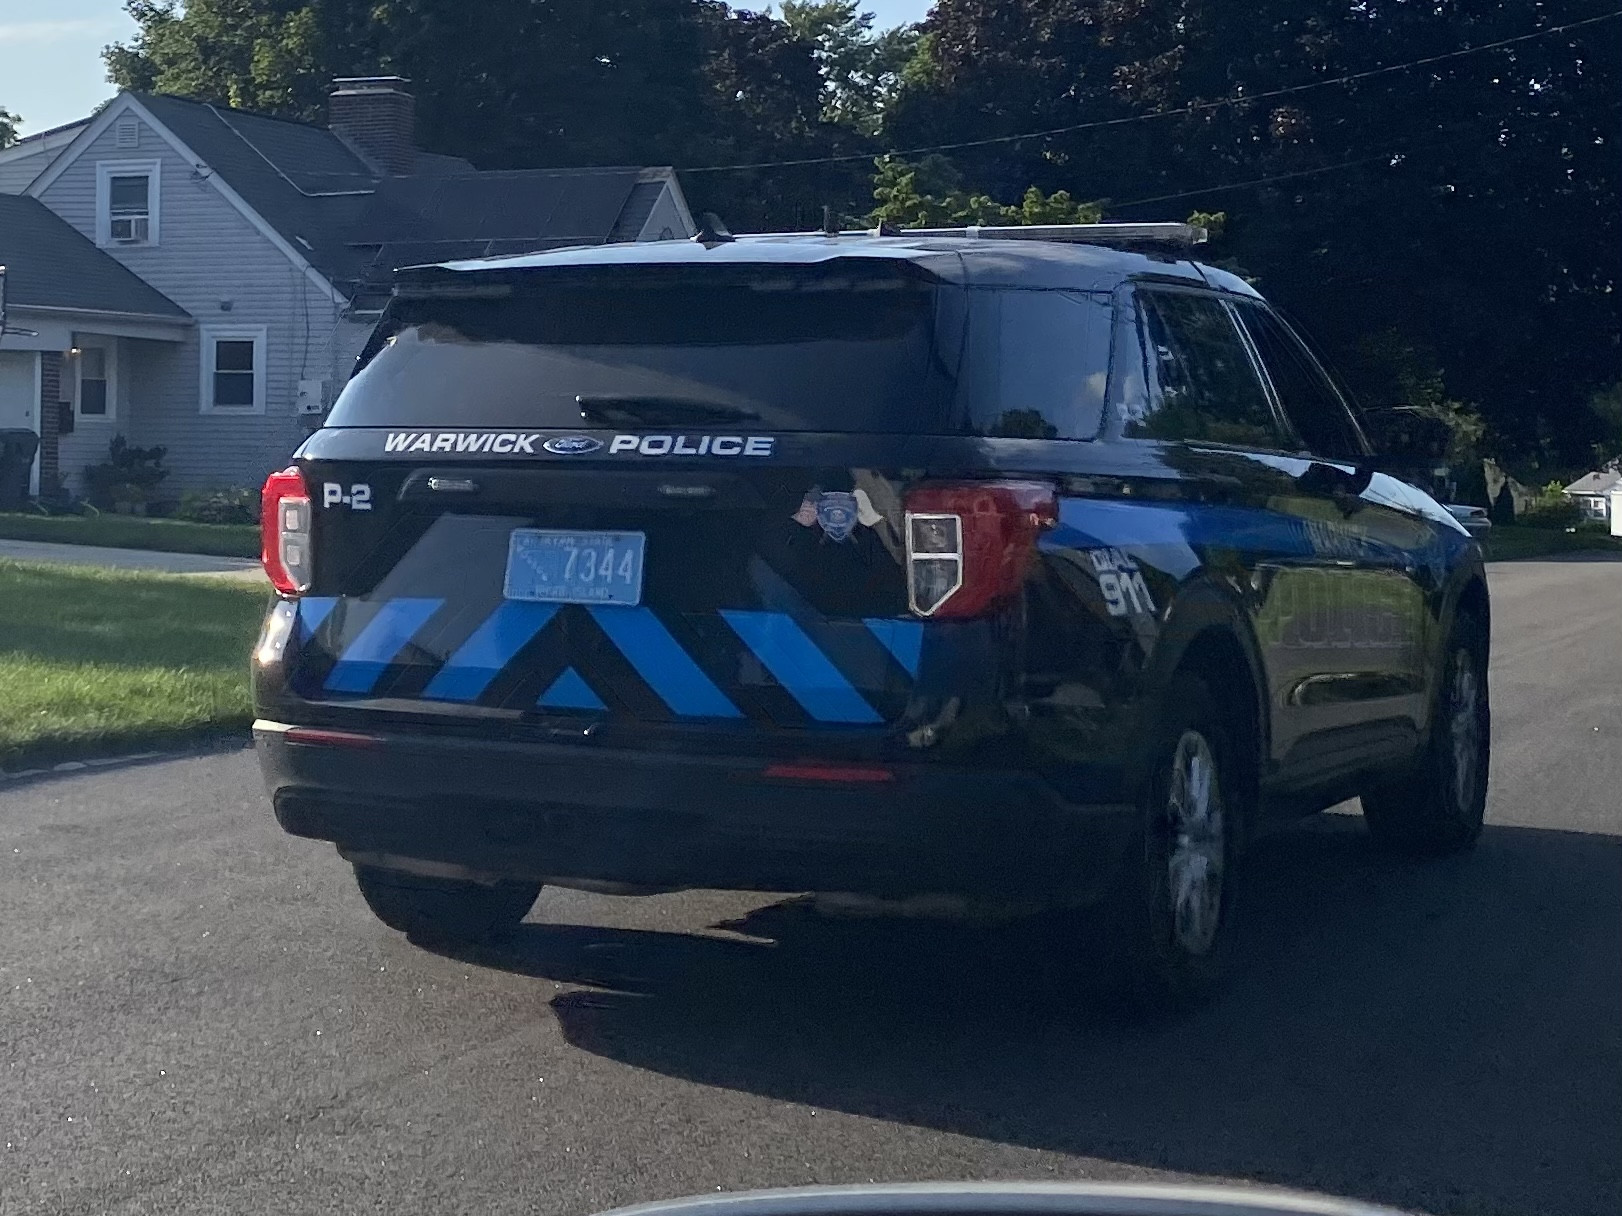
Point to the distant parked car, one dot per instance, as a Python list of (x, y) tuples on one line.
[(1474, 518)]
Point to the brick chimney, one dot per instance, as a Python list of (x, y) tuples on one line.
[(378, 116)]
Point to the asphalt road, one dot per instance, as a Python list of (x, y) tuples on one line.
[(199, 1015)]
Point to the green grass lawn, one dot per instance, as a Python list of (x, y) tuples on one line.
[(133, 532), (1501, 544), (95, 661)]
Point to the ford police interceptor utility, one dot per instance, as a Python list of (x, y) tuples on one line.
[(1042, 571)]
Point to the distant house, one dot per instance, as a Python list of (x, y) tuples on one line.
[(1593, 492), (202, 278)]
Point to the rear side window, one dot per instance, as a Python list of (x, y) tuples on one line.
[(1203, 384), (1310, 401), (867, 348), (1037, 363)]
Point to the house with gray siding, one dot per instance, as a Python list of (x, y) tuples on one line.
[(267, 248)]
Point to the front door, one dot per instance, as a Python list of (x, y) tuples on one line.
[(19, 399)]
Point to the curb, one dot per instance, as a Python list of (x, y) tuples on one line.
[(201, 743)]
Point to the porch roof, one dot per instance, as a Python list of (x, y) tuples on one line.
[(52, 267)]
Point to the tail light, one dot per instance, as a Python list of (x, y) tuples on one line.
[(284, 525), (969, 545)]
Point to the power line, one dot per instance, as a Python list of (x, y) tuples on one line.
[(1388, 157), (1192, 108)]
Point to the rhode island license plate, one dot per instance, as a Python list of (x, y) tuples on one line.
[(575, 567)]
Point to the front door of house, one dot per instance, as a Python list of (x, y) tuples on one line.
[(19, 398)]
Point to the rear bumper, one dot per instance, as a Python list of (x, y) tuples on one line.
[(579, 811)]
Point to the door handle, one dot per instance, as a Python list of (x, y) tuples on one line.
[(1334, 481)]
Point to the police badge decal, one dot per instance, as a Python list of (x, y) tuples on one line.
[(837, 512)]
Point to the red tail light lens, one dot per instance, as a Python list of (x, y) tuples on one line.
[(970, 545), (284, 528)]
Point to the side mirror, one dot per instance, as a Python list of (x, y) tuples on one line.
[(1403, 435)]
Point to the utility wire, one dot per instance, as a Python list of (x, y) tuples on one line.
[(1387, 157), (1192, 108)]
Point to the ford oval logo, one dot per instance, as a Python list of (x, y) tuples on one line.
[(572, 445)]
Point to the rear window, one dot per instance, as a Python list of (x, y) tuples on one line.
[(879, 350)]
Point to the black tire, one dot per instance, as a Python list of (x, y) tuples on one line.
[(1169, 939), (444, 909), (1437, 807)]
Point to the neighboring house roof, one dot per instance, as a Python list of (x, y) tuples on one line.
[(432, 219), (25, 141), (50, 265), (302, 180), (1601, 482), (355, 225)]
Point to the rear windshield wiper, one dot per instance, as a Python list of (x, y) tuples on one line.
[(670, 411)]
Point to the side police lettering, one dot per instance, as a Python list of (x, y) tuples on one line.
[(523, 443)]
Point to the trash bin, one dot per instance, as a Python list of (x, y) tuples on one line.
[(17, 450)]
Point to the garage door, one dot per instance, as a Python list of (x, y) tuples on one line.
[(19, 403)]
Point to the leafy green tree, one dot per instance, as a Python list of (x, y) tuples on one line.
[(1468, 203), (861, 67), (929, 194), (1606, 406), (8, 127)]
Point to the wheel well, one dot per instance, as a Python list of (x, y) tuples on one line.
[(1216, 658)]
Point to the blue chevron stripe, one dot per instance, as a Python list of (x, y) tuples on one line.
[(313, 610), (385, 635), (478, 661), (800, 667), (903, 639), (569, 691), (659, 659)]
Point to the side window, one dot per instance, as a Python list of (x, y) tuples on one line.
[(233, 369), (127, 198), (1203, 382), (1310, 401), (1037, 363)]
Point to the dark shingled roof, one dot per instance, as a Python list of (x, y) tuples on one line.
[(432, 219), (49, 264), (356, 226), (304, 181)]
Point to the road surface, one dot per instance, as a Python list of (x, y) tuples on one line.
[(199, 1015)]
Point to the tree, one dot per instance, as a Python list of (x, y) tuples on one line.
[(930, 194), (9, 123), (1468, 202), (861, 68)]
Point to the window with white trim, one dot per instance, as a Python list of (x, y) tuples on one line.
[(95, 382), (233, 372), (127, 202)]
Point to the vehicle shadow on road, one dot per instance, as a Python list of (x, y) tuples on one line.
[(1439, 1036)]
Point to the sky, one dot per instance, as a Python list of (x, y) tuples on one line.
[(50, 53)]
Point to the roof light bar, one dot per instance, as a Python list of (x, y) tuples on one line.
[(1080, 234)]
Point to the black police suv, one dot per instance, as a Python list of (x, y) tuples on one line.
[(1027, 571)]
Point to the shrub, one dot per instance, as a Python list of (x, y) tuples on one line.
[(1552, 513), (127, 479), (223, 505)]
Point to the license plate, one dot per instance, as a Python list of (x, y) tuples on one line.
[(575, 567)]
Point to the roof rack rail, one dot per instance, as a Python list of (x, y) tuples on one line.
[(1080, 234)]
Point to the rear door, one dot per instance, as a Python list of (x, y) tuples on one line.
[(1326, 605), (660, 503)]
